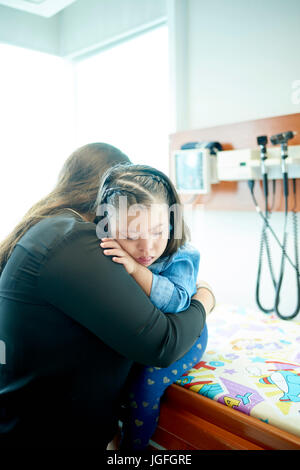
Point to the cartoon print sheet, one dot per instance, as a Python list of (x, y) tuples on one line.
[(251, 364)]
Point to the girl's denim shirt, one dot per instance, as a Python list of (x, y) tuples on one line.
[(174, 279)]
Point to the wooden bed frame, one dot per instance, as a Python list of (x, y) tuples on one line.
[(189, 421)]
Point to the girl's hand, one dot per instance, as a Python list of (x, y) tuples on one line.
[(112, 248)]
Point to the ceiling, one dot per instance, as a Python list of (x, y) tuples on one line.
[(46, 8)]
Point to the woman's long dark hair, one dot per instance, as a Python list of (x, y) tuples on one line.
[(143, 184), (77, 188)]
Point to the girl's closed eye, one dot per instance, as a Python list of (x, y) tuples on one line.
[(132, 237), (137, 236), (127, 236), (157, 234)]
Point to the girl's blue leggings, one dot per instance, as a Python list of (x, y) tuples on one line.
[(146, 387)]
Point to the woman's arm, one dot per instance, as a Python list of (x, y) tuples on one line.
[(82, 282)]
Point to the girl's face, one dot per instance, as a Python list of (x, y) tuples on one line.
[(145, 236)]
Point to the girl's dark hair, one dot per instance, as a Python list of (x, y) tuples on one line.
[(77, 188), (143, 184)]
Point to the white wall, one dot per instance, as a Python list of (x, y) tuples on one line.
[(243, 57), (90, 24), (229, 247), (242, 60)]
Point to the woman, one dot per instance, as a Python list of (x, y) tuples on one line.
[(70, 340)]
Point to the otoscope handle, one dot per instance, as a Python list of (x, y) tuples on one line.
[(285, 184), (265, 184)]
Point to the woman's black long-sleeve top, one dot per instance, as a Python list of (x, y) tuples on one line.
[(71, 324)]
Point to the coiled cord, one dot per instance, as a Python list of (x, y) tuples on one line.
[(264, 241), (279, 284)]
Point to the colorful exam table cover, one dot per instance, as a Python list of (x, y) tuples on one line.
[(251, 364)]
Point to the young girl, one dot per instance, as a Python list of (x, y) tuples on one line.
[(154, 250)]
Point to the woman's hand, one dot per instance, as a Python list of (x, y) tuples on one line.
[(205, 295), (112, 248)]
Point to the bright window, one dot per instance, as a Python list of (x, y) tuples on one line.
[(36, 128), (49, 107), (123, 98)]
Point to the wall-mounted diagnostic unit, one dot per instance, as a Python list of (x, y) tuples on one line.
[(245, 164), (197, 165), (280, 162), (193, 170)]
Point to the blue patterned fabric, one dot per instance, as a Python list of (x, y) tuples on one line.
[(148, 384)]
